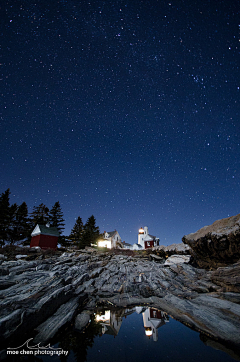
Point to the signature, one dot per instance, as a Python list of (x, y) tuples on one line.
[(36, 347)]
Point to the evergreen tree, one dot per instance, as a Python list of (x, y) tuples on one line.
[(12, 224), (91, 232), (23, 230), (56, 217), (4, 216), (77, 232), (39, 215), (14, 221)]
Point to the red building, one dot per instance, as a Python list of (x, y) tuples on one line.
[(45, 236), (150, 243)]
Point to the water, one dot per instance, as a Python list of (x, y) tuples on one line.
[(134, 335)]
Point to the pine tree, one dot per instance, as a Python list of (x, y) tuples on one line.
[(56, 217), (39, 215), (12, 224), (91, 232), (14, 221), (23, 223), (77, 232), (4, 216)]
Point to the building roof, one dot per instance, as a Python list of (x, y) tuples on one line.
[(148, 238), (111, 233), (127, 244), (45, 230), (138, 245)]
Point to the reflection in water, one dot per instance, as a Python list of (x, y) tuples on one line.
[(136, 339), (78, 343), (152, 320), (111, 321)]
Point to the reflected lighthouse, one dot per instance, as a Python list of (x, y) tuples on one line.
[(152, 320)]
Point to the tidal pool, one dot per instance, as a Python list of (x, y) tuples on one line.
[(135, 335), (140, 334)]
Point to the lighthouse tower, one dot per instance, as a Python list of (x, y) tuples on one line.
[(141, 235)]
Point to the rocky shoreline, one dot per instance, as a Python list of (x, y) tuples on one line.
[(46, 293)]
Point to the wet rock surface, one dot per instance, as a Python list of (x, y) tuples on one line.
[(45, 294), (216, 245)]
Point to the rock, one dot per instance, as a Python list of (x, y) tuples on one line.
[(10, 322), (45, 294), (4, 271), (2, 257), (228, 278), (156, 258), (177, 259), (206, 314), (34, 249), (49, 328), (90, 249), (173, 249), (178, 248), (20, 256), (4, 284), (82, 320), (3, 355), (84, 277), (216, 245), (67, 255), (219, 346)]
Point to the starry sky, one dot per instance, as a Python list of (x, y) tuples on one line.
[(127, 110)]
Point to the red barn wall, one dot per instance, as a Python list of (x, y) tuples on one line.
[(149, 246), (35, 241), (44, 241)]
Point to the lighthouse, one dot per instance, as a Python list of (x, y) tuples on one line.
[(140, 237), (145, 240)]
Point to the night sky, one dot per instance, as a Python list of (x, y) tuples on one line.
[(127, 110)]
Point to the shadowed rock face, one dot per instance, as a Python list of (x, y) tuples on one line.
[(216, 245)]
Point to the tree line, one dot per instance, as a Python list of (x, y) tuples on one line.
[(16, 224)]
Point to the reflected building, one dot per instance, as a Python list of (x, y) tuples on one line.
[(152, 320), (111, 320)]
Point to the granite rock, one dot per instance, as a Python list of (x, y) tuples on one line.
[(177, 259), (216, 245)]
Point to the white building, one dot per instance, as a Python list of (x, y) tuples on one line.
[(152, 320), (111, 321), (127, 246), (136, 246), (110, 240), (146, 240)]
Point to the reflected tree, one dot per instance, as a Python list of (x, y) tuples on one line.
[(80, 342)]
